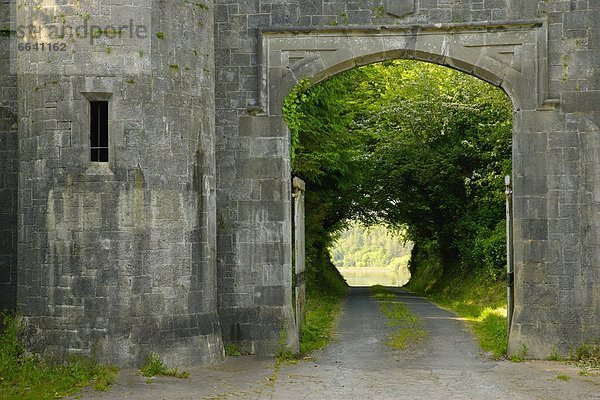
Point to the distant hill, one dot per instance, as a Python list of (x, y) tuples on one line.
[(374, 247)]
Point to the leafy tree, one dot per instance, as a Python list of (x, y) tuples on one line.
[(410, 144)]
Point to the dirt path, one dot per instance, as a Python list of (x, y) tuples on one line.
[(358, 365)]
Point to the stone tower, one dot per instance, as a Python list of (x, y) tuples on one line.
[(117, 248)]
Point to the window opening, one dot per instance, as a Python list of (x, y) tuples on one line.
[(99, 131)]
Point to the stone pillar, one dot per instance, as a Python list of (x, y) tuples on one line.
[(556, 167), (534, 300), (299, 188), (255, 274)]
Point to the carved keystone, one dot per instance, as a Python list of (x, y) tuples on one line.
[(400, 8)]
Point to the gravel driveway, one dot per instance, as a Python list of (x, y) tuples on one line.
[(358, 365)]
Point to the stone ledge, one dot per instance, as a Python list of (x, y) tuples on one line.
[(496, 25)]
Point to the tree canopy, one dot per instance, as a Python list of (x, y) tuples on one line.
[(411, 145)]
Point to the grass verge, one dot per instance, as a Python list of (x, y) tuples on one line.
[(232, 350), (409, 327), (155, 367), (24, 375), (482, 303), (322, 311), (587, 358)]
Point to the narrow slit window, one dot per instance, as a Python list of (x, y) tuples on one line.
[(99, 131)]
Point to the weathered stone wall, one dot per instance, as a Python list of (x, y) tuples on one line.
[(8, 167), (555, 156), (253, 172), (558, 204), (125, 256), (120, 257)]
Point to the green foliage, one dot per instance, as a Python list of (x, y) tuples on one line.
[(488, 252), (285, 354), (481, 301), (232, 350), (491, 329), (521, 355), (407, 144), (154, 367), (24, 375), (587, 356), (443, 145), (409, 327), (554, 356), (199, 4), (382, 293), (426, 268), (322, 309)]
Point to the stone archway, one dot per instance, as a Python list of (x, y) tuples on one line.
[(510, 56)]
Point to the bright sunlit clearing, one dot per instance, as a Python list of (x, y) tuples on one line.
[(372, 256)]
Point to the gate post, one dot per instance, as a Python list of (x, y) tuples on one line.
[(299, 188), (510, 276)]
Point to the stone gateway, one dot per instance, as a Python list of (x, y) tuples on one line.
[(145, 183)]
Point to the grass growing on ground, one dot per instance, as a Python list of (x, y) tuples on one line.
[(382, 293), (322, 310), (155, 367), (24, 375), (482, 303), (321, 313), (410, 327), (587, 358), (324, 297), (232, 350)]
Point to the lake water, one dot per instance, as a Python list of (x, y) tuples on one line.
[(375, 276)]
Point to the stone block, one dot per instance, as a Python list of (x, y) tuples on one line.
[(580, 101), (535, 251), (260, 168), (261, 127), (580, 19), (267, 148), (399, 8), (273, 190), (527, 186), (269, 296), (141, 284), (339, 61), (284, 15), (535, 229)]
